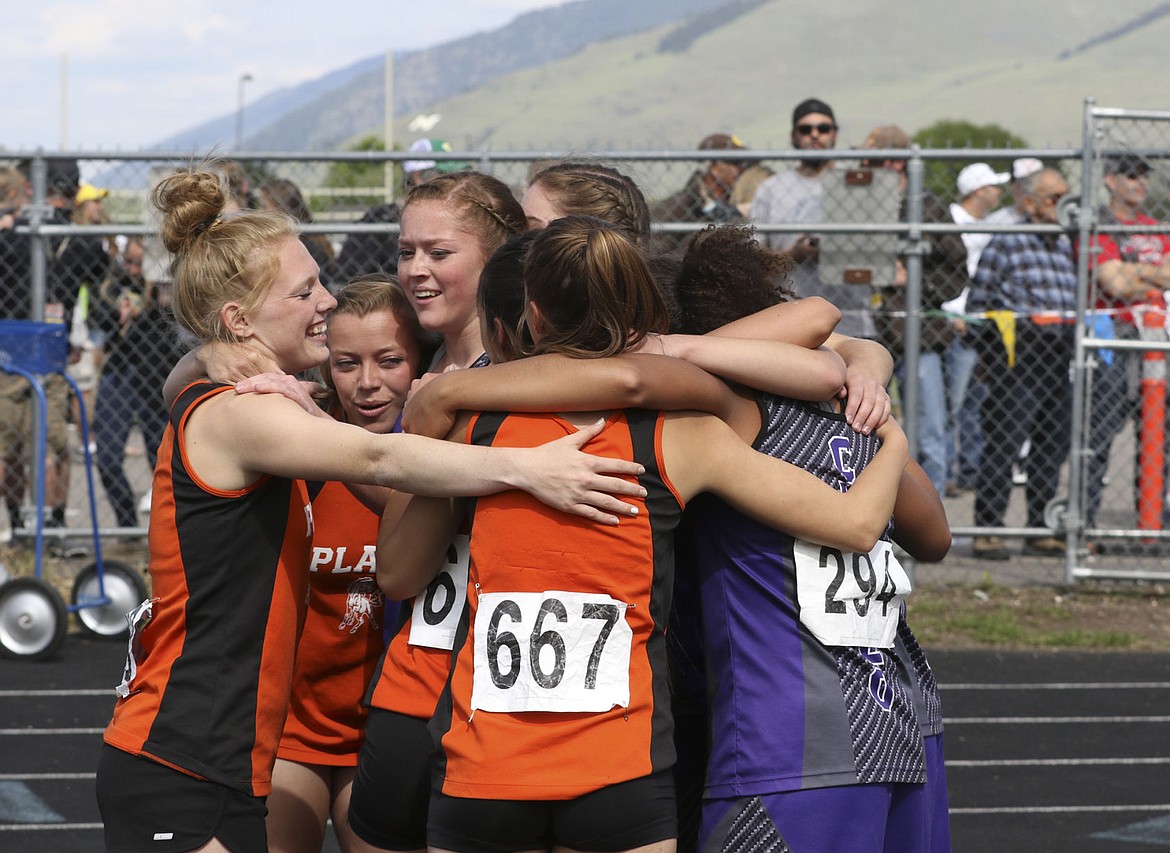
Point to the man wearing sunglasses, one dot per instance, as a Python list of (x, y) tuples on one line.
[(795, 196)]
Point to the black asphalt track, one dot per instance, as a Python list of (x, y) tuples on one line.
[(1055, 751)]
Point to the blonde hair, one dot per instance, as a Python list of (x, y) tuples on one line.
[(12, 184), (216, 259)]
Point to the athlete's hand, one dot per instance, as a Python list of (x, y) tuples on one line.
[(561, 475), (301, 393), (426, 412), (867, 403)]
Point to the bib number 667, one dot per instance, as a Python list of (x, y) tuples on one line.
[(550, 651)]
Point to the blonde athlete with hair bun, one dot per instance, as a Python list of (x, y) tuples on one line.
[(189, 752)]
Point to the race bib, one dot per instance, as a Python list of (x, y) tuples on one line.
[(850, 599), (136, 620), (438, 608), (550, 651)]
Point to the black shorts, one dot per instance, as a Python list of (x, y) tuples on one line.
[(148, 806), (392, 785), (618, 817)]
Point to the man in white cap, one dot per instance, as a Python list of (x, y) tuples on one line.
[(980, 189)]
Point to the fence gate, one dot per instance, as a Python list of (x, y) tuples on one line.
[(1116, 511)]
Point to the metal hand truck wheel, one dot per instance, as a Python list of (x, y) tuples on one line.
[(33, 616)]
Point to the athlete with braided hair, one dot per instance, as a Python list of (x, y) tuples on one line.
[(588, 189)]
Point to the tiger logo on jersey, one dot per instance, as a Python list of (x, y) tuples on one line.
[(363, 599)]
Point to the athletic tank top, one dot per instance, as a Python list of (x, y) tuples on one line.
[(229, 570), (342, 638), (786, 711), (559, 683)]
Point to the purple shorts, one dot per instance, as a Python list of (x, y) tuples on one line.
[(879, 818)]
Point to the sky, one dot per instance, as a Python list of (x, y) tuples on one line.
[(119, 75)]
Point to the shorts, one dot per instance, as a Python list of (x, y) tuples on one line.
[(878, 818), (392, 786), (618, 817), (17, 404), (148, 806)]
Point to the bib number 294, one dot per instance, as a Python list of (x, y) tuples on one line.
[(550, 651), (850, 599)]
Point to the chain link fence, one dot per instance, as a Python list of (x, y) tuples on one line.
[(878, 233)]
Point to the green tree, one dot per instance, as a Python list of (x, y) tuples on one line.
[(363, 175), (951, 133)]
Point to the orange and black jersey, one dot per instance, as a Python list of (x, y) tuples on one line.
[(229, 573), (572, 616)]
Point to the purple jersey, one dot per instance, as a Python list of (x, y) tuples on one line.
[(785, 711)]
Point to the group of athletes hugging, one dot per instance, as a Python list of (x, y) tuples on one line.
[(645, 550)]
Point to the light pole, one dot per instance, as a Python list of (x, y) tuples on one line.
[(244, 78)]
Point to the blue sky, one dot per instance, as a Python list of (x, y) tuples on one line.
[(121, 74)]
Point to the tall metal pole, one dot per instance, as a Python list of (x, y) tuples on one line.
[(244, 78), (64, 101), (912, 336), (389, 125), (1085, 223)]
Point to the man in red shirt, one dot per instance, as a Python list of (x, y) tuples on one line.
[(1125, 267)]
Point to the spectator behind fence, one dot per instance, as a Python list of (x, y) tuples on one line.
[(72, 261), (1014, 214), (1127, 266), (1027, 282), (422, 169), (795, 196), (15, 425), (282, 194), (943, 277), (980, 190), (237, 184), (371, 253), (706, 196), (141, 347), (88, 260), (743, 191)]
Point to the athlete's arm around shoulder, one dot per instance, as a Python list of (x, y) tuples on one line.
[(703, 454), (556, 383), (805, 322), (231, 440), (779, 367)]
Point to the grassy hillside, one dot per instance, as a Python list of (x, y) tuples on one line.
[(911, 62)]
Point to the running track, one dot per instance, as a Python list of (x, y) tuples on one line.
[(1046, 752)]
